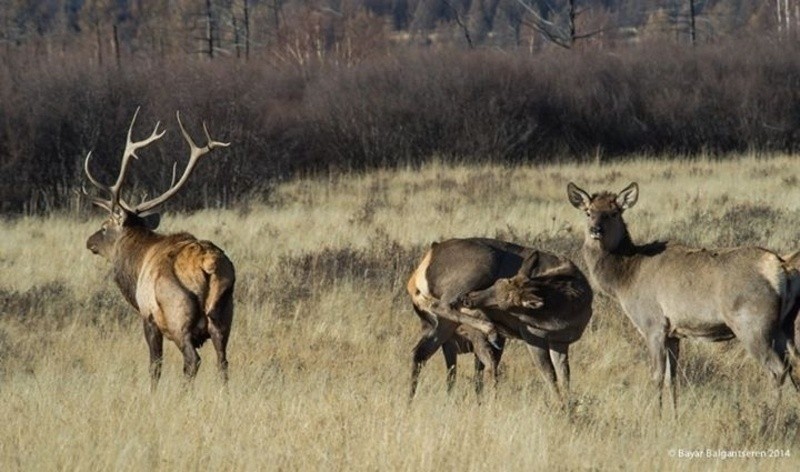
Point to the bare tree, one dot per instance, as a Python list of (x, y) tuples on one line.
[(560, 31)]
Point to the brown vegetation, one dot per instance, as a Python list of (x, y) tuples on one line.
[(392, 110)]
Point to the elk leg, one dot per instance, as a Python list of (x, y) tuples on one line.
[(426, 347), (220, 317), (759, 345), (484, 357), (155, 343), (559, 356), (656, 345), (219, 337), (450, 352), (538, 349), (673, 353), (191, 359), (473, 318)]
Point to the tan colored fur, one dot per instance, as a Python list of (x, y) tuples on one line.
[(182, 287), (671, 291)]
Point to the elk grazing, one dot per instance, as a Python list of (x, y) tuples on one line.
[(671, 291), (181, 286), (450, 286)]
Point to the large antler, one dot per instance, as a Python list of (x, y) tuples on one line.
[(196, 153), (130, 151)]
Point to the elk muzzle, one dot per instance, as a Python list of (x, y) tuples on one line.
[(596, 232)]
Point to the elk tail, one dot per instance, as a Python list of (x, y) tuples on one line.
[(221, 278)]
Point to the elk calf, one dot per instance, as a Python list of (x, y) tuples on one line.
[(548, 319), (671, 291), (463, 340), (181, 286)]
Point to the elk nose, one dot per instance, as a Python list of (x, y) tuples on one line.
[(596, 231)]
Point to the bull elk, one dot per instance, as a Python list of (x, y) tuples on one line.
[(671, 291), (181, 286), (449, 287)]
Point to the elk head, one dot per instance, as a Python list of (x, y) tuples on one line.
[(604, 213), (519, 291), (144, 216)]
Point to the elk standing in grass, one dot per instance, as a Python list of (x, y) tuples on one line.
[(464, 340), (181, 286), (453, 270), (670, 291)]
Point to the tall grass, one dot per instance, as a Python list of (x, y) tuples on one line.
[(320, 349)]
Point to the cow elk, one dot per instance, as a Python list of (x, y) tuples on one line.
[(671, 291), (451, 287), (181, 286)]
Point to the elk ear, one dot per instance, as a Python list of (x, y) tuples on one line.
[(628, 197), (151, 221), (528, 264), (578, 197)]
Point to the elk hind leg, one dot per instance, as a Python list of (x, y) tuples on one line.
[(426, 347), (450, 352), (191, 359), (155, 344), (759, 345), (219, 328)]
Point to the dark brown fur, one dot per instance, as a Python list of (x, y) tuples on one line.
[(459, 266)]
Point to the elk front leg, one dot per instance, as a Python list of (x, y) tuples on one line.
[(673, 354), (155, 343), (656, 346), (540, 355), (559, 356)]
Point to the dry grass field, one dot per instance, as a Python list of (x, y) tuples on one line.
[(322, 335)]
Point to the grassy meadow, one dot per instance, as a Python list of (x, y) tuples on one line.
[(320, 352)]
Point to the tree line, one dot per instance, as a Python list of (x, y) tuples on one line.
[(297, 31), (657, 98)]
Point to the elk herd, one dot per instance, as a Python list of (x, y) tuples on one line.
[(473, 294)]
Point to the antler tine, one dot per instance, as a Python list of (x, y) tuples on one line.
[(94, 181), (211, 143), (130, 151), (101, 202), (195, 153)]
